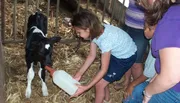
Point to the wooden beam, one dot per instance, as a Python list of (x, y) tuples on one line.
[(2, 71), (2, 76)]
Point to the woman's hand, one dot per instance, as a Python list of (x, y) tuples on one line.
[(81, 89), (128, 91)]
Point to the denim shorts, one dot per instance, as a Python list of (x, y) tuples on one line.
[(140, 40), (169, 96), (118, 67), (137, 94)]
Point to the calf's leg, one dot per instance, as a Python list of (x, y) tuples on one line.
[(41, 74), (30, 76)]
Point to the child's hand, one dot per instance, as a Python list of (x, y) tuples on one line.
[(146, 99), (77, 77), (81, 89), (128, 91)]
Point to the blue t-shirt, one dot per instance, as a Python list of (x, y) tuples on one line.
[(149, 67), (117, 41)]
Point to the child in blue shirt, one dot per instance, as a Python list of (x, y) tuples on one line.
[(117, 48), (134, 92)]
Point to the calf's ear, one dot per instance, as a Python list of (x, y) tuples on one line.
[(55, 39)]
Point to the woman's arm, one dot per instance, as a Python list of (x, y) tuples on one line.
[(169, 75), (90, 58)]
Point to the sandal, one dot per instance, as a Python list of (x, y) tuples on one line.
[(107, 101)]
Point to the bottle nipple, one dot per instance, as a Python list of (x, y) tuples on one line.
[(51, 70)]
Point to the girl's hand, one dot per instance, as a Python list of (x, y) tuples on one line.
[(77, 77), (146, 97), (81, 89), (128, 91)]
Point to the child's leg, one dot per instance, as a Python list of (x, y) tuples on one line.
[(127, 78), (107, 93), (137, 70), (126, 81), (100, 91)]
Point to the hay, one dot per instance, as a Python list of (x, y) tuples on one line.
[(64, 57)]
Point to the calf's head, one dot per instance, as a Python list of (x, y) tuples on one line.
[(39, 20), (44, 49)]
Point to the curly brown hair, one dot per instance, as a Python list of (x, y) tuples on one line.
[(155, 11)]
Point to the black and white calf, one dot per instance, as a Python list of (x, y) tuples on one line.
[(38, 50)]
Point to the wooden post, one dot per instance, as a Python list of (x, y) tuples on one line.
[(2, 72)]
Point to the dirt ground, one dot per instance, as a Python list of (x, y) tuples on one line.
[(16, 77)]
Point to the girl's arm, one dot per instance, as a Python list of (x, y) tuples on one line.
[(90, 58), (105, 58), (104, 67), (169, 75)]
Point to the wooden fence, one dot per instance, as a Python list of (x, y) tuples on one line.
[(2, 71)]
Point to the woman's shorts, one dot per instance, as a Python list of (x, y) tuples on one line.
[(140, 40), (118, 67)]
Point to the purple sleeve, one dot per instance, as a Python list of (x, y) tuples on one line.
[(168, 34)]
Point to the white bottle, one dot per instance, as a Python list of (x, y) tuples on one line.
[(63, 80)]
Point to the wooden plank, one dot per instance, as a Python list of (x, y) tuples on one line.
[(2, 78), (57, 15), (26, 18), (63, 41), (2, 72), (14, 19), (2, 20)]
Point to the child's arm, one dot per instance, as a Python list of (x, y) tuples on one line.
[(105, 58), (153, 77), (104, 67), (132, 85), (90, 58)]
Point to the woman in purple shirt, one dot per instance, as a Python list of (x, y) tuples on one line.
[(165, 86)]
